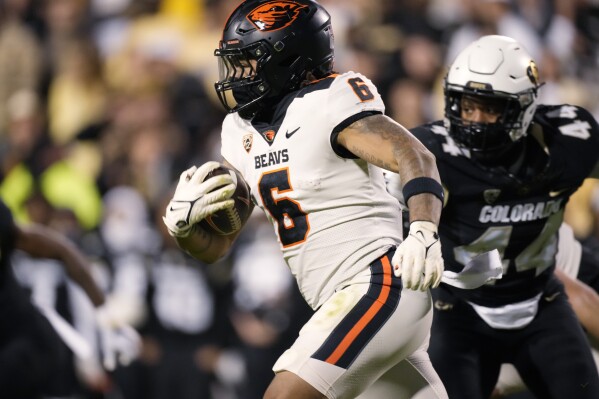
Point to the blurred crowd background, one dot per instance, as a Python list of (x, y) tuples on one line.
[(103, 103)]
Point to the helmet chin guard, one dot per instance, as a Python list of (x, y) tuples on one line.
[(267, 49), (492, 69)]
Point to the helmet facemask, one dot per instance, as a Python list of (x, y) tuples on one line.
[(487, 141), (240, 87)]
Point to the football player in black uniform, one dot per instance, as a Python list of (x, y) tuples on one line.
[(31, 352), (508, 166)]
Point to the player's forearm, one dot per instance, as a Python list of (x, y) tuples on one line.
[(425, 207), (584, 301), (77, 270), (205, 246), (41, 242), (587, 314), (416, 164)]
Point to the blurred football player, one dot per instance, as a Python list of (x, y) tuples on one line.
[(31, 350), (310, 143), (508, 166)]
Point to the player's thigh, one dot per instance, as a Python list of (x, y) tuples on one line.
[(413, 377), (402, 381), (463, 349), (288, 385), (356, 336), (556, 360)]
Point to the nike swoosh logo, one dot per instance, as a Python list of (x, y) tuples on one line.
[(556, 193), (551, 298), (178, 208), (291, 133)]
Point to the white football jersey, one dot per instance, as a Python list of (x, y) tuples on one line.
[(331, 212)]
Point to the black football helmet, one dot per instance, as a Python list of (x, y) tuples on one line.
[(496, 69), (267, 48)]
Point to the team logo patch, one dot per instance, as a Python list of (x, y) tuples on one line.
[(248, 140), (533, 72), (275, 15), (491, 195), (269, 135)]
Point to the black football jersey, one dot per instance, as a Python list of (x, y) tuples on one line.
[(488, 208)]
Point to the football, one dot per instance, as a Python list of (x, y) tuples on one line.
[(229, 221)]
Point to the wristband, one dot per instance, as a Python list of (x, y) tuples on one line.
[(421, 185)]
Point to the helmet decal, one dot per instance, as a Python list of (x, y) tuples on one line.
[(275, 15), (533, 72)]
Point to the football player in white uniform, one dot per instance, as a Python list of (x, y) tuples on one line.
[(310, 142)]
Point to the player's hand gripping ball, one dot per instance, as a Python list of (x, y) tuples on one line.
[(229, 220), (213, 197)]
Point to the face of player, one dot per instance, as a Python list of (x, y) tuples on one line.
[(236, 67), (246, 67), (480, 109), (483, 130)]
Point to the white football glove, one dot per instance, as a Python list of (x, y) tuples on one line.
[(195, 199), (119, 341), (418, 258)]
